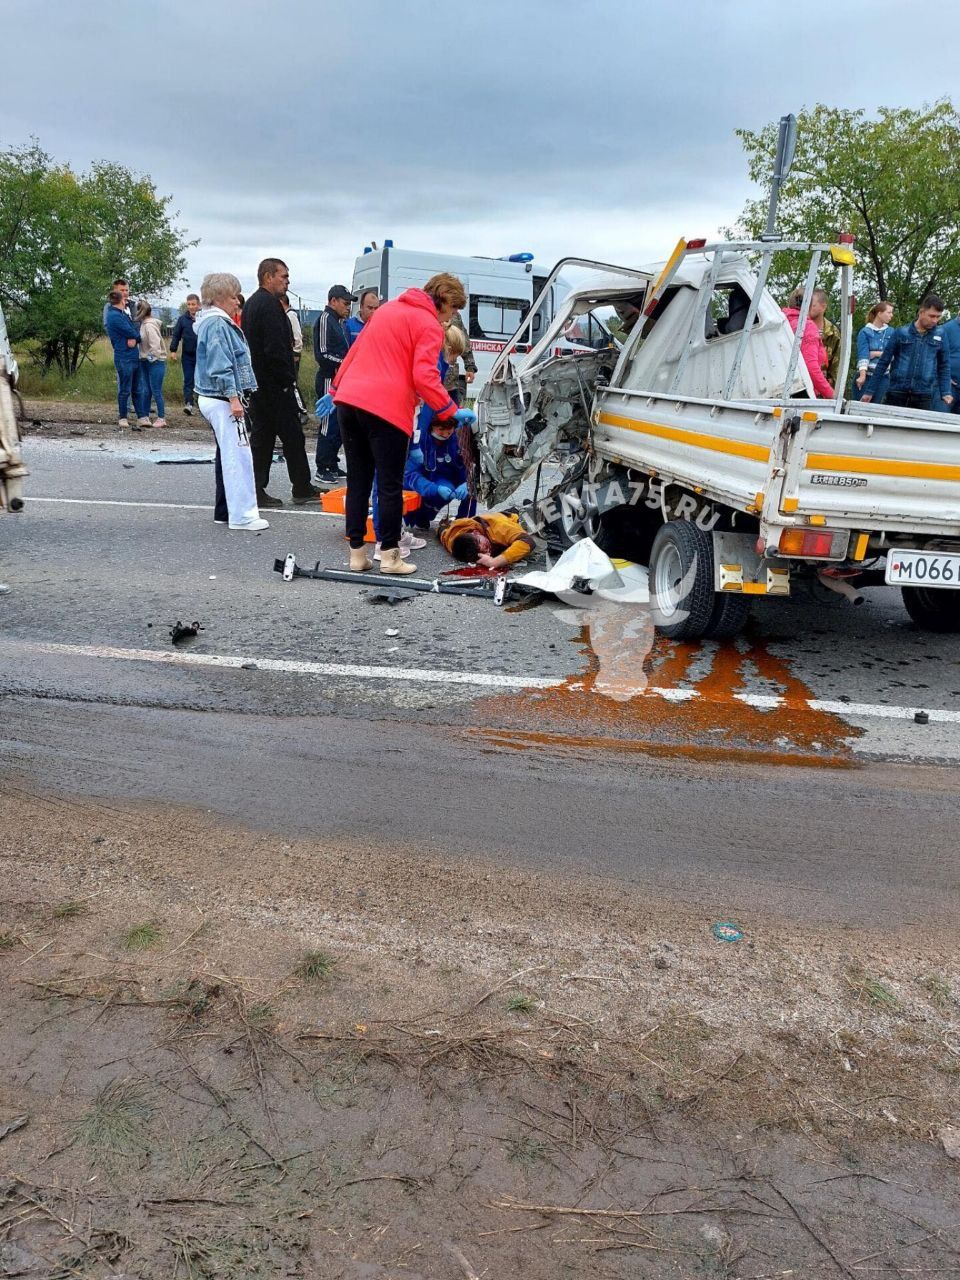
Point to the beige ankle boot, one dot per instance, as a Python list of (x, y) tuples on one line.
[(360, 562), (392, 562)]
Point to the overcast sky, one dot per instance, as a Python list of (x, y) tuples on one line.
[(304, 129)]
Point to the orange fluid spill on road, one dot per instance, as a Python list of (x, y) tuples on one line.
[(609, 705), (532, 740)]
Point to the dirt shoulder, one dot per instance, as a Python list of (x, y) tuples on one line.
[(63, 418), (240, 1056)]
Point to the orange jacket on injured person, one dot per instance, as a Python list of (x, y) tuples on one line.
[(494, 540)]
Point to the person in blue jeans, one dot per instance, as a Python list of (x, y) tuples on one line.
[(124, 337), (871, 344), (184, 336), (153, 363)]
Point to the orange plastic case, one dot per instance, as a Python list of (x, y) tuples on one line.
[(335, 500)]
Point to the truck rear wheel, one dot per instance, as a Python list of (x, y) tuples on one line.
[(730, 611), (934, 610), (682, 596)]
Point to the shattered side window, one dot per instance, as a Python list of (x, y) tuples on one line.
[(727, 311)]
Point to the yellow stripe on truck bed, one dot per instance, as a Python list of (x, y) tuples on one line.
[(698, 439), (881, 467)]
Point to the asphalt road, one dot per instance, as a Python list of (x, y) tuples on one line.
[(473, 728)]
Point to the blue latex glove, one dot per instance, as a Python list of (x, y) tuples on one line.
[(464, 417), (446, 492), (462, 493), (324, 406)]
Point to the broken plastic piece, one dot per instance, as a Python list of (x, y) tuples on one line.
[(180, 632), (726, 931)]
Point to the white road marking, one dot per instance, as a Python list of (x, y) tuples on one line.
[(182, 506), (488, 680), (415, 675)]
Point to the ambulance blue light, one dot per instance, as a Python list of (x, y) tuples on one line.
[(368, 248), (520, 257), (388, 244)]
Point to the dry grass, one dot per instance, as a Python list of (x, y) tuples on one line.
[(141, 936), (314, 966)]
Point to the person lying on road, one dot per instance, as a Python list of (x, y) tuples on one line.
[(494, 540)]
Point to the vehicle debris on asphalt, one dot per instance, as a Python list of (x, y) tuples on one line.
[(180, 631)]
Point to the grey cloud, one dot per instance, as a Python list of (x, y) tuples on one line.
[(318, 124)]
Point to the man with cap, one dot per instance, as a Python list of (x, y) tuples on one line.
[(330, 345)]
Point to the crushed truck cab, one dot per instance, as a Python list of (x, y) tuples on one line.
[(691, 439)]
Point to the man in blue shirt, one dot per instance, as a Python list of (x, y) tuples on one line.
[(124, 337), (184, 336), (951, 344), (369, 301), (921, 368)]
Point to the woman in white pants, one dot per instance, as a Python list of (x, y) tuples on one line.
[(224, 379)]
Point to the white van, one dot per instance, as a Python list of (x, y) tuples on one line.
[(499, 293)]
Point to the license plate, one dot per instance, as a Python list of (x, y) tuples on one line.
[(923, 569)]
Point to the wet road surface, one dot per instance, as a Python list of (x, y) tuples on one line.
[(782, 771)]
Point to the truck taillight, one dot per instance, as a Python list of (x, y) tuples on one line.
[(812, 543)]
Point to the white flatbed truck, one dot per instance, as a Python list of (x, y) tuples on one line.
[(698, 446)]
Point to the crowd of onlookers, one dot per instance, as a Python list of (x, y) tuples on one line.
[(916, 366), (384, 376)]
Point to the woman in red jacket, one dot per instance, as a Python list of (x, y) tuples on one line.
[(391, 366)]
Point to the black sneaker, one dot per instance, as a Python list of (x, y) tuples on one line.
[(301, 499), (188, 409), (265, 499), (331, 479)]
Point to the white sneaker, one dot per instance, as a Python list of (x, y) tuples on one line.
[(144, 422), (255, 525), (409, 543), (123, 423), (404, 552)]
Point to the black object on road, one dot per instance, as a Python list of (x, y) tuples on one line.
[(388, 595), (180, 631)]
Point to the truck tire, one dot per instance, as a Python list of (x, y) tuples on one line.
[(682, 598), (730, 611), (933, 610)]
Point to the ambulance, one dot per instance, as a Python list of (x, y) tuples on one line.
[(500, 292)]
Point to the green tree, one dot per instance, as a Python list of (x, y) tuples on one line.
[(64, 237), (893, 181)]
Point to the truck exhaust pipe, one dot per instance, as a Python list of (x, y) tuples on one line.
[(840, 586)]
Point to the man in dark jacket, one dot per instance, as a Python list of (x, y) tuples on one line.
[(951, 344), (921, 366), (330, 344), (273, 406), (185, 337), (124, 337)]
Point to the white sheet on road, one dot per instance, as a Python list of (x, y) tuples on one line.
[(620, 581)]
